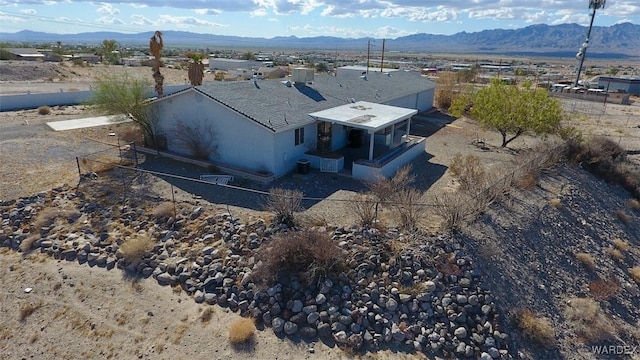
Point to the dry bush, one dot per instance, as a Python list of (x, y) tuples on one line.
[(163, 210), (130, 133), (207, 314), (310, 254), (468, 170), (635, 274), (453, 208), (633, 204), (241, 331), (397, 194), (27, 243), (588, 320), (364, 207), (555, 202), (621, 244), (603, 289), (199, 140), (284, 204), (586, 260), (103, 164), (28, 309), (606, 159), (47, 216), (44, 110), (133, 250), (535, 327), (615, 253), (623, 216)]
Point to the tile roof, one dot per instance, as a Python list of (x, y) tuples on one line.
[(277, 106)]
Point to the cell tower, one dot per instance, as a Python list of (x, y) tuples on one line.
[(595, 5)]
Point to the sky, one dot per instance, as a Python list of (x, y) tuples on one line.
[(304, 18)]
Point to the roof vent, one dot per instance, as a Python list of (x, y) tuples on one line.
[(363, 77)]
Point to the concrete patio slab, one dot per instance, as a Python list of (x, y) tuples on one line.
[(85, 123)]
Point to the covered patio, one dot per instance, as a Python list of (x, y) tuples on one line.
[(382, 129), (370, 118)]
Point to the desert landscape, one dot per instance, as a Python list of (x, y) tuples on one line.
[(159, 268)]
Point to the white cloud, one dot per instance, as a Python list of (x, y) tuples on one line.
[(186, 21), (4, 17), (107, 20), (107, 9), (207, 11), (140, 20), (28, 11)]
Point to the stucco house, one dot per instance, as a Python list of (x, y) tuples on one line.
[(354, 125)]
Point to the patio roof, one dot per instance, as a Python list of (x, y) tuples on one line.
[(365, 115)]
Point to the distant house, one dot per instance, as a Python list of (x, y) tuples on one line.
[(626, 85), (231, 64), (358, 126), (358, 70), (25, 54)]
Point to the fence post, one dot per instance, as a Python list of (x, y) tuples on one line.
[(79, 171), (135, 153), (175, 213)]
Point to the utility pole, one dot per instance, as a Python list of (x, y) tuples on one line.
[(382, 62), (593, 4), (368, 53)]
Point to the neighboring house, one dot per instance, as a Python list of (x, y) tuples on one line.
[(351, 124), (232, 64), (25, 54), (358, 70), (627, 85)]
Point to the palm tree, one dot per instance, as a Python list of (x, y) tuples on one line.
[(155, 48), (196, 68)]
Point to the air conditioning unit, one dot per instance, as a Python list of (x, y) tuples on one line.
[(302, 75)]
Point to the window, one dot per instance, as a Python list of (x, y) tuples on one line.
[(299, 136)]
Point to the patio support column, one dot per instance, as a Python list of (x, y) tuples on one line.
[(408, 127), (371, 140), (393, 135)]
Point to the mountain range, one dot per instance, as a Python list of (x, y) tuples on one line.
[(616, 41)]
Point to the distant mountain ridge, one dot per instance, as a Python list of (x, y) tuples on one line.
[(616, 41)]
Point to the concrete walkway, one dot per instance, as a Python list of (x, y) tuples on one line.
[(84, 123)]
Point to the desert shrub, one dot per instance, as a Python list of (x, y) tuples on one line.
[(44, 110), (467, 170), (453, 208), (635, 274), (28, 309), (623, 216), (615, 253), (284, 204), (535, 327), (133, 250), (207, 314), (397, 194), (27, 243), (586, 260), (555, 202), (199, 139), (103, 164), (310, 254), (241, 331), (47, 216), (633, 204), (586, 318), (606, 159), (364, 207), (621, 244), (603, 289), (163, 210)]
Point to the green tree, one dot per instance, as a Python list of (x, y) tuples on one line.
[(512, 110), (613, 71), (322, 67), (248, 56), (108, 51), (124, 95)]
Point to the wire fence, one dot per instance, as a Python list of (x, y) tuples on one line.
[(122, 181)]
